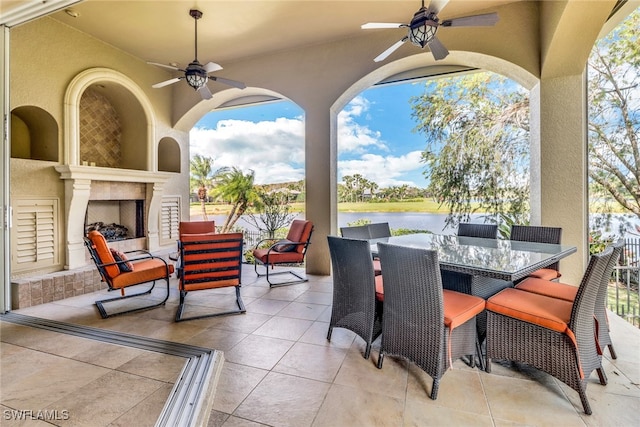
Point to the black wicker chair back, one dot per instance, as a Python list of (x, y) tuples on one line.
[(602, 328), (356, 232), (537, 234), (414, 313), (485, 231), (354, 300), (379, 230)]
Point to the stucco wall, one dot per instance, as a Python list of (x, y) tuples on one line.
[(45, 57)]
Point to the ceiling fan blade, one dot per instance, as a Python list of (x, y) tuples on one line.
[(204, 92), (486, 20), (437, 49), (437, 5), (229, 82), (390, 50), (373, 25), (211, 67), (171, 67), (167, 82)]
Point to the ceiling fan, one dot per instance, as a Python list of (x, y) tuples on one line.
[(421, 31), (197, 74)]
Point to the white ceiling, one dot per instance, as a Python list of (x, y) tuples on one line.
[(163, 31)]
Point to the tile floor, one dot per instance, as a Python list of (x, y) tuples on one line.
[(279, 370)]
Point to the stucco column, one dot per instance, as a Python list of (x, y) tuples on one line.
[(320, 164), (562, 190)]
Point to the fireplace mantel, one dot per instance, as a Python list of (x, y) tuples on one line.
[(96, 173), (78, 181)]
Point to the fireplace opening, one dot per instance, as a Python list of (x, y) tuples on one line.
[(116, 219)]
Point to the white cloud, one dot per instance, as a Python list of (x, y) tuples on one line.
[(273, 149), (383, 170), (352, 136)]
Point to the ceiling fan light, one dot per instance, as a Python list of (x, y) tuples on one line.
[(196, 78), (422, 34)]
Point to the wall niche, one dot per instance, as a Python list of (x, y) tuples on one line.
[(34, 134), (168, 155)]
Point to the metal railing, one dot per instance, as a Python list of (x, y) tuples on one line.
[(624, 294)]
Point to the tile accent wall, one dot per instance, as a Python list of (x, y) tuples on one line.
[(100, 130)]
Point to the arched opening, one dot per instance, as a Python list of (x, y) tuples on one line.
[(34, 134)]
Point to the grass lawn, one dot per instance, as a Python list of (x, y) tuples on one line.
[(424, 206)]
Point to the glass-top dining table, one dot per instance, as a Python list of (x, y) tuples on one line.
[(493, 258)]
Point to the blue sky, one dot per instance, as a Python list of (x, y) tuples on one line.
[(375, 138)]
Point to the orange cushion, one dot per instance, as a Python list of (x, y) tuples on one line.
[(197, 227), (551, 289), (278, 257), (299, 231), (379, 289), (377, 269), (144, 271), (104, 253), (550, 313), (546, 274), (459, 307)]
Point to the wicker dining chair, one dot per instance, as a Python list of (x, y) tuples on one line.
[(423, 323), (568, 292), (550, 334), (485, 231), (355, 306), (539, 234)]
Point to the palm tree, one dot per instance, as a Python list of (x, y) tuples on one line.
[(201, 177), (239, 189)]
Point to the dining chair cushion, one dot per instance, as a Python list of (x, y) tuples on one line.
[(460, 308), (379, 289), (546, 274), (104, 253), (559, 290), (376, 266), (544, 311)]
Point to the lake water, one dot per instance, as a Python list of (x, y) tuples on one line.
[(409, 220)]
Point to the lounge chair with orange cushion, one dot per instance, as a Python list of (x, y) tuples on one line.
[(290, 250), (210, 261), (120, 271)]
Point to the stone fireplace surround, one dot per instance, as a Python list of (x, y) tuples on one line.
[(84, 183)]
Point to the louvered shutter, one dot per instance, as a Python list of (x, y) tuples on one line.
[(34, 234), (169, 220)]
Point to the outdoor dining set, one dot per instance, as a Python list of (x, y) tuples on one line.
[(435, 298), (430, 298)]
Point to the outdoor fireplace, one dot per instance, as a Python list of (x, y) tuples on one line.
[(116, 219)]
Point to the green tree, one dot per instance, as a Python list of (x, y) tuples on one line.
[(201, 178), (239, 190), (477, 145), (273, 212), (614, 118)]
